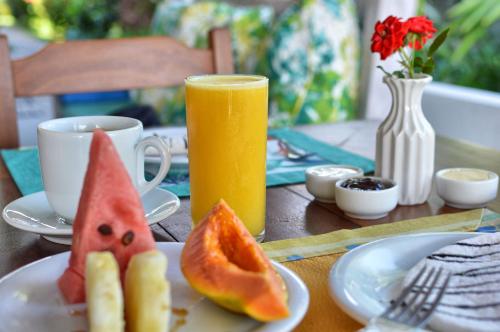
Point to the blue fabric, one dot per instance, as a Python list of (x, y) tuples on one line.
[(24, 167), (72, 98), (327, 152)]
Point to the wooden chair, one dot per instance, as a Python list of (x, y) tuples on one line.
[(103, 65)]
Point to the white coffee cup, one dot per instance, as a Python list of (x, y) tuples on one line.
[(64, 146)]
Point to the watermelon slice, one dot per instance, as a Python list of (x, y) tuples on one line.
[(109, 217)]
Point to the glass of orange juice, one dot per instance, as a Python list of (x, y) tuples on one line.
[(227, 134)]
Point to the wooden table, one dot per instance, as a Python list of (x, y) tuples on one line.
[(291, 210)]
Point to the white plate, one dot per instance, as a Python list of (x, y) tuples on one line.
[(30, 300), (178, 150), (33, 213), (366, 279)]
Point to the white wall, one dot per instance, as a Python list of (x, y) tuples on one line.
[(463, 113)]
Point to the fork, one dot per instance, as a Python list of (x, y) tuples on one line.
[(408, 312), (293, 153)]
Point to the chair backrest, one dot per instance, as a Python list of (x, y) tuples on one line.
[(104, 65)]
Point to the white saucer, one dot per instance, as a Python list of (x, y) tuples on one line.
[(366, 279), (33, 213)]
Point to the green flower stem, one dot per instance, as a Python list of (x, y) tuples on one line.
[(407, 62)]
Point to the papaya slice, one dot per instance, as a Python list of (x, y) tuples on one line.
[(110, 217), (222, 261)]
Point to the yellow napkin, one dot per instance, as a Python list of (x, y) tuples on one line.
[(346, 239), (323, 314)]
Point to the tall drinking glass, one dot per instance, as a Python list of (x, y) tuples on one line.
[(227, 134)]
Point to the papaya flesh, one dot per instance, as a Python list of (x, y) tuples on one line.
[(222, 261)]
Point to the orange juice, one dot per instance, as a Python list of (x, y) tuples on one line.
[(227, 134)]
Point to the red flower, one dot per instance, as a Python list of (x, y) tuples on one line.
[(389, 36), (423, 28)]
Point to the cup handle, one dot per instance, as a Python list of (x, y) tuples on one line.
[(159, 144)]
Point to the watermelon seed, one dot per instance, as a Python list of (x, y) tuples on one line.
[(105, 229), (127, 238)]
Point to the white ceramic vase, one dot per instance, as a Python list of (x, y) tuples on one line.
[(405, 141)]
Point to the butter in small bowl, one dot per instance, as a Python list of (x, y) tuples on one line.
[(466, 188), (320, 180)]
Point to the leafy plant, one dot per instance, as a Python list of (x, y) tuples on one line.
[(74, 19), (472, 19), (473, 60)]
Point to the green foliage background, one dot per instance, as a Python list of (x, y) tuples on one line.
[(471, 54), (75, 19)]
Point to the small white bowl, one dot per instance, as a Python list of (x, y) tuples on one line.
[(466, 194), (320, 180), (367, 204)]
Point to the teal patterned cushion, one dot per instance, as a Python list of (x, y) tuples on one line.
[(190, 21), (314, 56)]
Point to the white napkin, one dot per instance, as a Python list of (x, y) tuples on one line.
[(472, 299)]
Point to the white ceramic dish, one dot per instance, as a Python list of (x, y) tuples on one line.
[(33, 213), (464, 194), (367, 204), (367, 278), (320, 180), (175, 139), (32, 302)]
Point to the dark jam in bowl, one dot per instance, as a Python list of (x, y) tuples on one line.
[(367, 184)]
